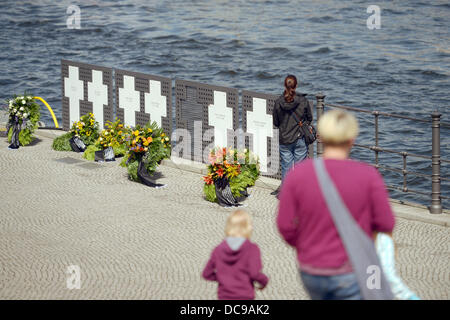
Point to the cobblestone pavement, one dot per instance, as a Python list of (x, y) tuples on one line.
[(135, 242)]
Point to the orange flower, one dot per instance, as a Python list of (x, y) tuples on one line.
[(149, 139), (208, 179)]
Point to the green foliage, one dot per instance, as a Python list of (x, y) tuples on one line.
[(113, 136), (120, 150), (238, 184), (132, 168), (87, 129), (89, 153), (148, 142), (62, 143), (247, 176), (25, 136), (26, 112), (210, 192), (123, 163)]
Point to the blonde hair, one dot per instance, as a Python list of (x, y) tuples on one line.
[(337, 127), (239, 224)]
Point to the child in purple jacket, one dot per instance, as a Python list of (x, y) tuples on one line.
[(236, 263)]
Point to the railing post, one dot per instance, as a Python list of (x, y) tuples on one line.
[(376, 114), (320, 108), (405, 172), (436, 205)]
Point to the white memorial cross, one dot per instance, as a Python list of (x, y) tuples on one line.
[(155, 103), (73, 89), (98, 95), (221, 118), (259, 123), (129, 100)]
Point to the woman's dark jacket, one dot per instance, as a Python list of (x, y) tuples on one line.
[(283, 119)]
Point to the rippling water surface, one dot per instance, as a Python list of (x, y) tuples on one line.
[(402, 68)]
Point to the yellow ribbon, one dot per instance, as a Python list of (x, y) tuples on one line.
[(49, 109)]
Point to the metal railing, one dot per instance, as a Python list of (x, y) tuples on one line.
[(436, 124)]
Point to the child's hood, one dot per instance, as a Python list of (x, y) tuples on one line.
[(232, 249)]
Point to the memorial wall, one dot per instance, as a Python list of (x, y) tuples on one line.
[(206, 116)]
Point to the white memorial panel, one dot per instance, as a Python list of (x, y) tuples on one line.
[(221, 118), (129, 100), (73, 89), (260, 125), (98, 95), (155, 103)]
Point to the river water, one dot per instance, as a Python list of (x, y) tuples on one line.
[(403, 67)]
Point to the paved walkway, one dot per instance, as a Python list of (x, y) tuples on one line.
[(135, 242)]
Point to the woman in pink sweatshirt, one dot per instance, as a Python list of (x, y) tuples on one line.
[(305, 222), (236, 262)]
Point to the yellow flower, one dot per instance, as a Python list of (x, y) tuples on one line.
[(136, 133), (162, 134)]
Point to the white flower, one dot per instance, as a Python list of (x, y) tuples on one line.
[(23, 101), (106, 133), (112, 131), (29, 97), (167, 138), (22, 108), (25, 115), (15, 110), (82, 123), (101, 139)]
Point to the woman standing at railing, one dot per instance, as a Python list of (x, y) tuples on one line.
[(289, 109)]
